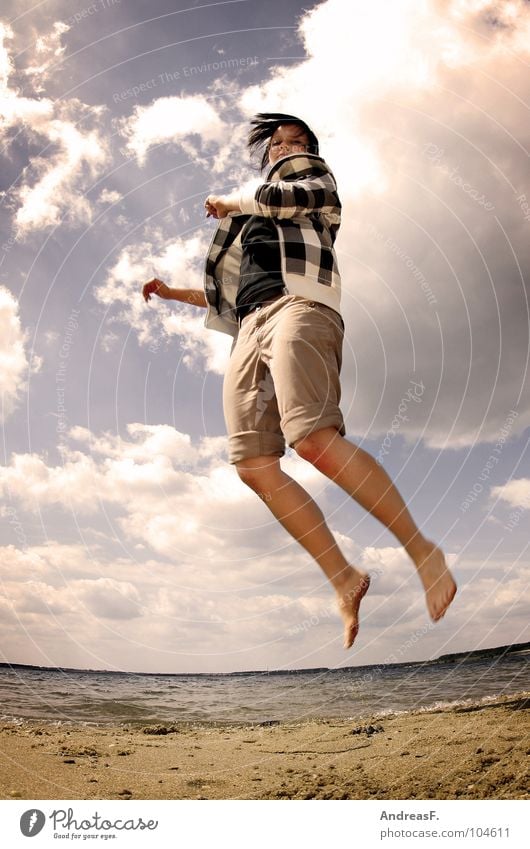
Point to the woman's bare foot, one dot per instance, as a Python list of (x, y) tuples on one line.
[(436, 578), (349, 597)]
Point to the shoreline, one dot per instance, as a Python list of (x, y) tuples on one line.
[(222, 724), (477, 750)]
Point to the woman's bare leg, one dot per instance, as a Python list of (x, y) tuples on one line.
[(366, 481), (294, 508)]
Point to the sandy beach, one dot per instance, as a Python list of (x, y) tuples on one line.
[(469, 752)]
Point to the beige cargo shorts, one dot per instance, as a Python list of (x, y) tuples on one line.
[(282, 381)]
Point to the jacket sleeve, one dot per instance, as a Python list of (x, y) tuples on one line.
[(289, 199)]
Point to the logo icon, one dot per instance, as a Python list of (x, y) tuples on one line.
[(32, 822)]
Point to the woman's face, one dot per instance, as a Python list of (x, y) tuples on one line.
[(286, 139)]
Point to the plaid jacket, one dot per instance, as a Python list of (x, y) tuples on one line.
[(300, 195)]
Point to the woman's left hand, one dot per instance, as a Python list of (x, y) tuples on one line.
[(219, 206)]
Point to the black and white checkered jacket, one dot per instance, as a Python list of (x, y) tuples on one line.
[(300, 195)]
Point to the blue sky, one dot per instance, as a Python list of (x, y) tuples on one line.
[(128, 542)]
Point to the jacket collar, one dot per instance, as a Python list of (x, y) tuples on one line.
[(297, 165)]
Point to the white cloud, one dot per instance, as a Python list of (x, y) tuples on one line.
[(199, 347), (55, 195), (109, 196), (110, 599), (211, 581), (148, 441), (179, 264), (47, 50), (82, 608), (64, 156), (516, 493), (420, 113), (14, 362), (172, 119), (163, 487), (109, 341), (416, 135)]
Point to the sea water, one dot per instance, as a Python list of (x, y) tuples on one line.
[(105, 698)]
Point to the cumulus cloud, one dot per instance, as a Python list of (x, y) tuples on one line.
[(172, 119), (14, 362), (48, 48), (210, 570), (426, 134), (154, 616), (173, 615), (427, 141), (110, 599), (54, 195), (164, 488), (179, 264), (109, 196), (64, 156), (515, 493)]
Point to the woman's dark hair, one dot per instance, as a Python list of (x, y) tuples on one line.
[(265, 125)]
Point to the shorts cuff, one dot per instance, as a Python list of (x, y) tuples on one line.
[(302, 421), (254, 443)]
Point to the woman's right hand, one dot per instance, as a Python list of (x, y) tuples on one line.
[(156, 287)]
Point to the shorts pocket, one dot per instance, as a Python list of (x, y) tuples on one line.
[(329, 313)]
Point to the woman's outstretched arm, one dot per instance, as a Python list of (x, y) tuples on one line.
[(281, 199), (292, 198), (195, 297)]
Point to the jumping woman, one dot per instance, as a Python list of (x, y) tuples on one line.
[(272, 283)]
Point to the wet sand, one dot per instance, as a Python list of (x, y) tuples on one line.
[(469, 752)]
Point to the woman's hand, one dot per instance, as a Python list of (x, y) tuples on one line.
[(219, 206), (156, 287), (193, 297)]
